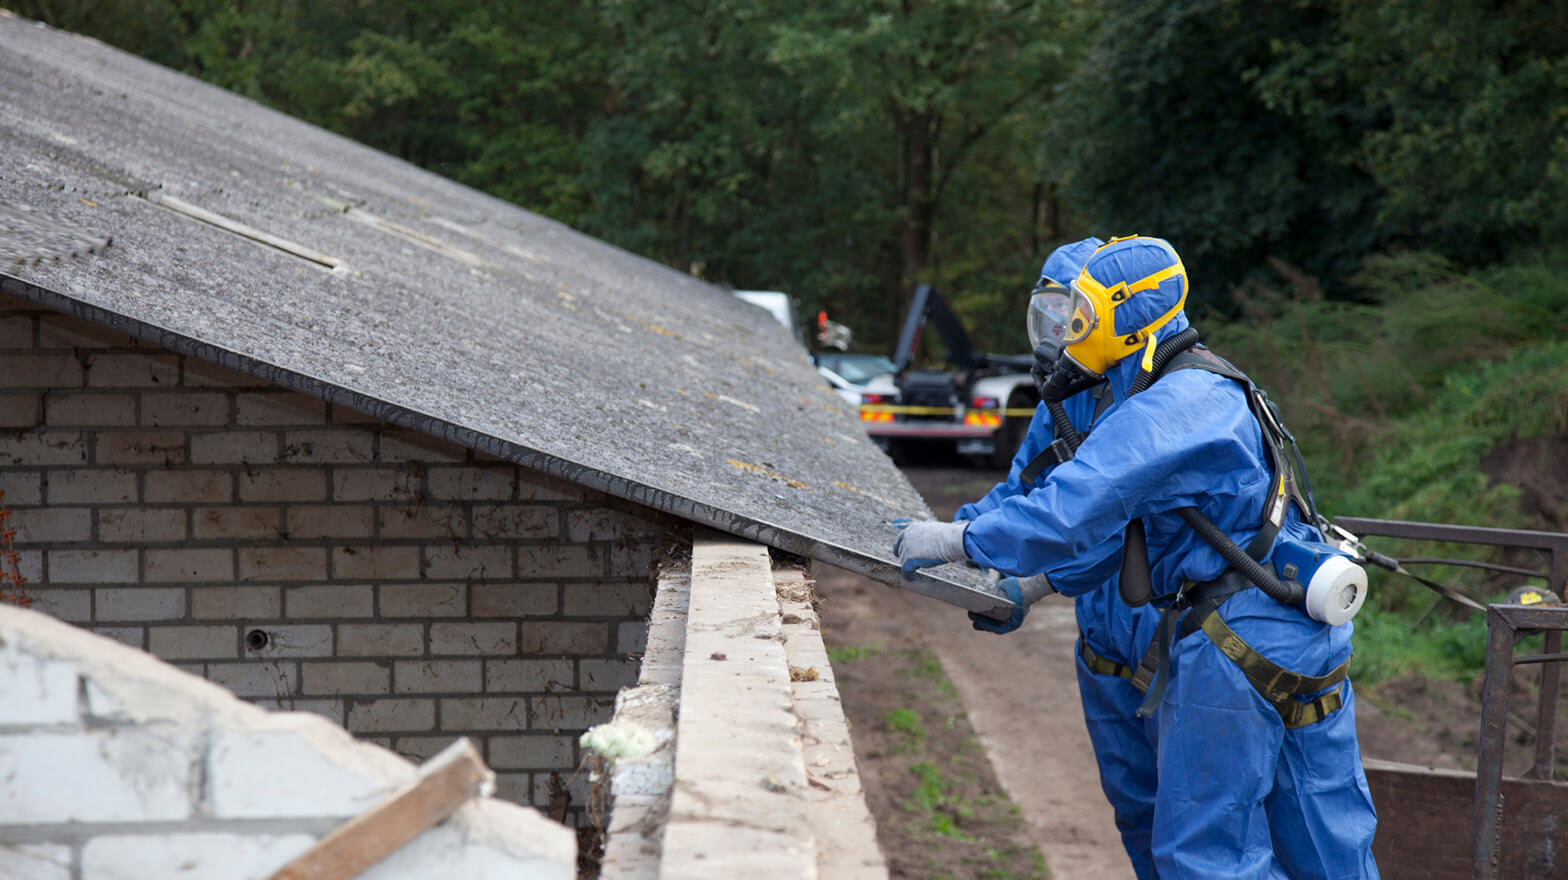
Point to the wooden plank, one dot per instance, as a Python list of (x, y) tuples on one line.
[(445, 783)]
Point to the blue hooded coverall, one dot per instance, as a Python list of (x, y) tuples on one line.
[(1238, 795)]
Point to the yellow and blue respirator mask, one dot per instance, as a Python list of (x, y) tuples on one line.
[(1127, 291)]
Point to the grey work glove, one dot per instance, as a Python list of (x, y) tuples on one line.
[(1024, 592), (929, 543)]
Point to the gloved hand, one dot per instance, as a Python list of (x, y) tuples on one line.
[(929, 543), (1024, 592)]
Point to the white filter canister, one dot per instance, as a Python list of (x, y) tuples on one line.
[(1336, 591)]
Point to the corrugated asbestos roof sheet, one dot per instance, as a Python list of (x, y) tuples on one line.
[(185, 215)]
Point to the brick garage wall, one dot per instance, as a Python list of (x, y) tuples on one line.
[(307, 556)]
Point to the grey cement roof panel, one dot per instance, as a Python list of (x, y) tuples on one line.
[(451, 312)]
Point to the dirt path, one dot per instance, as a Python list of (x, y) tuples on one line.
[(1021, 698)]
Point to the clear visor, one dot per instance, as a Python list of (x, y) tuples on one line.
[(1082, 317), (1048, 313)]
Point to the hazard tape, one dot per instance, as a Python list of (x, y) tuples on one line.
[(896, 409)]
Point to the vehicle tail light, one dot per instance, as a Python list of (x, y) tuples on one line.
[(983, 411), (872, 408)]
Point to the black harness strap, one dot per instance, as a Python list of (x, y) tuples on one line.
[(1060, 449)]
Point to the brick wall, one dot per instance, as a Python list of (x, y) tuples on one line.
[(307, 556)]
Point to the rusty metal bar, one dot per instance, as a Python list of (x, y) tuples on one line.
[(1486, 820), (1546, 713), (1393, 528)]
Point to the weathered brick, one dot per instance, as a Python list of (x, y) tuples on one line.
[(30, 565), (376, 716), (41, 370), (230, 523), (268, 678), (329, 446), (72, 606), (283, 563), (278, 408), (560, 637), (422, 521), (560, 560), (141, 525), (607, 675), (204, 374), (283, 484), (607, 600), (445, 562), (603, 524), (536, 486), (134, 636), (190, 565), (188, 487), (52, 525), (472, 482), (332, 710), (16, 331), (185, 409), (423, 600), (193, 642), (346, 678), (291, 640), (65, 331), (89, 409), (496, 522), (375, 484), (43, 446), (527, 676), (632, 560), (124, 776), (310, 521), (92, 566), (381, 640), (19, 411), (90, 486), (339, 414), (482, 639), (332, 600), (531, 752), (484, 713), (421, 748), (570, 713), (577, 788), (367, 563), (21, 487), (235, 603), (414, 446), (133, 370), (514, 787), (631, 637), (235, 447), (140, 603), (509, 599), (437, 676)]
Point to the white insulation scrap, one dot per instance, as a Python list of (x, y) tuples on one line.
[(619, 739)]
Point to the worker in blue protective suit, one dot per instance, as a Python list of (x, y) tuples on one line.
[(1253, 780), (1112, 636)]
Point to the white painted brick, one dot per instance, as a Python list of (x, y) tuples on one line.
[(283, 563), (527, 676), (43, 446), (19, 411), (631, 637), (496, 522), (332, 710), (256, 679), (141, 525), (30, 566), (35, 690), (550, 561), (484, 713), (536, 486), (381, 640), (192, 642), (89, 409), (72, 606), (421, 748), (374, 484), (203, 374), (185, 409), (188, 487), (570, 713), (607, 675), (422, 521), (237, 523), (134, 636), (21, 487), (605, 524), (333, 600), (424, 600), (139, 447), (473, 482), (113, 776), (607, 600), (565, 637), (41, 370), (16, 331), (437, 676), (51, 525), (235, 447), (208, 856), (283, 484), (373, 563), (532, 752), (293, 772), (346, 678), (35, 861), (65, 331), (133, 370), (632, 560), (307, 522), (450, 851), (90, 486), (481, 639), (184, 566), (235, 603), (445, 562), (413, 446), (329, 446), (391, 715), (287, 640), (92, 566), (278, 408)]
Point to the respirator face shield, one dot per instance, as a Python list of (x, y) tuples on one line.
[(1049, 311)]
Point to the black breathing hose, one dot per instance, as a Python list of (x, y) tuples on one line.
[(1063, 426), (1283, 592), (1162, 355)]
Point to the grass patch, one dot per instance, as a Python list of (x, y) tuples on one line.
[(908, 723), (852, 653)]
